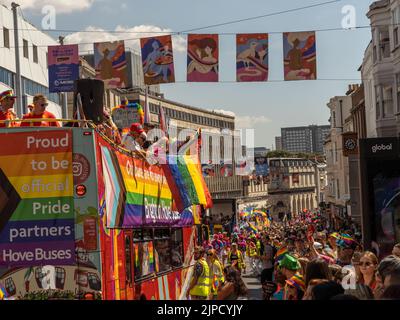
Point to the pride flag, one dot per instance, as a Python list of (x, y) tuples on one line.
[(252, 227), (281, 253), (3, 292), (185, 179)]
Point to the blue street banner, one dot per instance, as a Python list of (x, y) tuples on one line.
[(63, 63)]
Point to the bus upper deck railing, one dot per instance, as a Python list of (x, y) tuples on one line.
[(88, 124)]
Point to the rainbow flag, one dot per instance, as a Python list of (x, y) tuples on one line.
[(281, 253), (185, 179), (252, 227), (3, 292)]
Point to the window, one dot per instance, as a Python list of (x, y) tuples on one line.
[(176, 248), (7, 77), (396, 23), (162, 255), (398, 91), (26, 50), (10, 286), (94, 281), (128, 260), (334, 119), (6, 37), (387, 102), (35, 54), (384, 43), (377, 101), (337, 189), (143, 253), (39, 275), (60, 278)]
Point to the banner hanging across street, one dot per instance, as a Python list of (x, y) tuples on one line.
[(202, 58), (251, 57), (300, 58), (157, 60), (110, 64), (36, 199), (63, 63)]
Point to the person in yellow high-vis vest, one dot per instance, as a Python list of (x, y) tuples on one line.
[(216, 273), (200, 284)]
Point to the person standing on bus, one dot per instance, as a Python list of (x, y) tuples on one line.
[(40, 104), (200, 286), (7, 100)]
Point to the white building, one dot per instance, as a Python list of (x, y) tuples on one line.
[(337, 194), (381, 70), (33, 60)]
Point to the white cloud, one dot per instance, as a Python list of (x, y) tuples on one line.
[(131, 35), (61, 6), (248, 122), (228, 113)]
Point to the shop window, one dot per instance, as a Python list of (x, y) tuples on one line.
[(176, 248), (162, 253), (60, 278), (10, 286), (94, 281)]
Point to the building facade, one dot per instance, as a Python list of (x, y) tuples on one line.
[(33, 62), (381, 68), (292, 186), (278, 143), (304, 139), (337, 193)]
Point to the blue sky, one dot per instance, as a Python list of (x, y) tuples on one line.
[(266, 107)]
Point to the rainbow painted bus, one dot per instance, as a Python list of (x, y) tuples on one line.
[(95, 220)]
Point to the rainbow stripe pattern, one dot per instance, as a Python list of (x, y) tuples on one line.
[(186, 182), (281, 253), (297, 281)]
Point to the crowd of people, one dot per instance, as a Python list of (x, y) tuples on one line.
[(295, 260)]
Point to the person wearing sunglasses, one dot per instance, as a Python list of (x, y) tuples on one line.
[(7, 100), (39, 112), (368, 266)]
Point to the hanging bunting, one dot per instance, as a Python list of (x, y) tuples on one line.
[(251, 57), (163, 121), (157, 60), (202, 58), (110, 64), (300, 58)]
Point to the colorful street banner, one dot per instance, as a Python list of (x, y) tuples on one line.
[(295, 178), (202, 58), (63, 65), (251, 57), (110, 64), (37, 222), (300, 58), (157, 60), (133, 193), (261, 164)]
